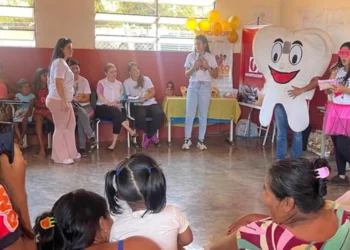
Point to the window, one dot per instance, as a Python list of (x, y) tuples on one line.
[(147, 24), (17, 24)]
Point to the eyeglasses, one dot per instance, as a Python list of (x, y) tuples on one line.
[(344, 53)]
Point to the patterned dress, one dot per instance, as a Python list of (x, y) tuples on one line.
[(267, 235)]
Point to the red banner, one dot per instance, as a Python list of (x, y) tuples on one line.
[(251, 81)]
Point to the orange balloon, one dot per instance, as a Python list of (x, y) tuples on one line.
[(191, 24), (204, 25), (235, 22), (225, 25), (199, 32), (214, 16), (232, 36), (216, 28)]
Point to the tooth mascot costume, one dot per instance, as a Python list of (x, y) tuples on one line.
[(289, 59)]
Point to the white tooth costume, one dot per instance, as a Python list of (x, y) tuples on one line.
[(290, 58)]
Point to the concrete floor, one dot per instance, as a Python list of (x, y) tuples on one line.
[(212, 187)]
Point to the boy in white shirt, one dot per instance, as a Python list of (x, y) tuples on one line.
[(82, 108)]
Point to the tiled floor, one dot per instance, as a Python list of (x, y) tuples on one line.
[(211, 187)]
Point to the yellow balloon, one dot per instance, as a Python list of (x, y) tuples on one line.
[(214, 16), (191, 24), (232, 37), (216, 28), (225, 25), (204, 25), (235, 22)]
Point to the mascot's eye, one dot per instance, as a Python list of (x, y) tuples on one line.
[(295, 55), (276, 52)]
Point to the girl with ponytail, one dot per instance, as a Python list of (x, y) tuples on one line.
[(80, 220), (140, 182)]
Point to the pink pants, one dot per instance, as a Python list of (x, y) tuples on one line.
[(63, 145)]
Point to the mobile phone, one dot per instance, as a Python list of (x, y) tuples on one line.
[(7, 140)]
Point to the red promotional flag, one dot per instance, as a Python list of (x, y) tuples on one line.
[(251, 81)]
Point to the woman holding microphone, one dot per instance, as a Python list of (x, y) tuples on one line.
[(201, 67)]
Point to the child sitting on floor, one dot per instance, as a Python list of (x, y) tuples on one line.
[(24, 111), (141, 183)]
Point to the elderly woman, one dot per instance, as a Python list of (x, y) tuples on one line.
[(299, 216)]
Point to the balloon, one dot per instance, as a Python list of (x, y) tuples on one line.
[(235, 22), (191, 24), (216, 28), (225, 25), (214, 16), (199, 32), (204, 25), (232, 36)]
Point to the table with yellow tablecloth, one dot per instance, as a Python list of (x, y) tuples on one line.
[(221, 110)]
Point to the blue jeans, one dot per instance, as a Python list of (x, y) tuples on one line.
[(198, 95), (282, 132)]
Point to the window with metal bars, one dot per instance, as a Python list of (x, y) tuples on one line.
[(17, 23), (147, 24)]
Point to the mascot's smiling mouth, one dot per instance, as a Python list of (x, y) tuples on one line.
[(283, 77)]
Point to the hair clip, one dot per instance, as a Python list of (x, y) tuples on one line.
[(322, 173), (117, 172), (149, 169), (47, 223)]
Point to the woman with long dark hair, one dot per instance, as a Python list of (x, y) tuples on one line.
[(41, 112), (142, 86), (201, 67), (64, 150), (81, 220), (337, 118)]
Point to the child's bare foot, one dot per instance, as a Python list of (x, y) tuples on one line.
[(111, 148), (40, 154)]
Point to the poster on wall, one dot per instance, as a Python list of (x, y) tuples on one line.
[(251, 81), (223, 52)]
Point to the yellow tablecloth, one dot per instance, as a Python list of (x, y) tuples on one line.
[(220, 108)]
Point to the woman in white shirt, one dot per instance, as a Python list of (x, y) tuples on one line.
[(59, 102), (201, 67), (337, 118), (142, 86), (108, 106)]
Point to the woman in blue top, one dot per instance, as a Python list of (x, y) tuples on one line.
[(81, 220)]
